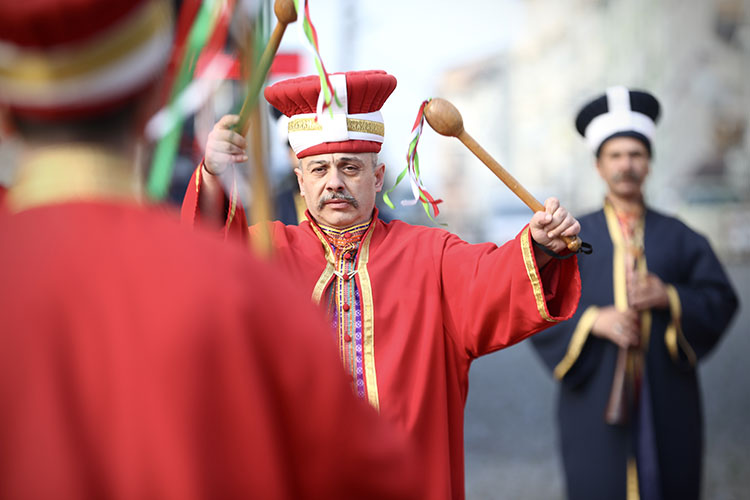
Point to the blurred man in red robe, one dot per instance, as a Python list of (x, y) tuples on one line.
[(410, 306), (130, 369)]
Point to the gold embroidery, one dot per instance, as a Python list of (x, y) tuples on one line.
[(536, 282), (352, 125), (368, 323), (368, 318), (577, 341), (365, 126), (304, 124)]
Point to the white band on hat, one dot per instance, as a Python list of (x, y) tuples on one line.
[(334, 124), (619, 118), (308, 130)]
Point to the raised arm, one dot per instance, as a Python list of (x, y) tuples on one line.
[(211, 196)]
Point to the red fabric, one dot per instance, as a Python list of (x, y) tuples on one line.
[(351, 146), (141, 360), (366, 91), (438, 304), (50, 23)]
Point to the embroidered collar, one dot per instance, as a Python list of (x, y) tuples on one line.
[(347, 237)]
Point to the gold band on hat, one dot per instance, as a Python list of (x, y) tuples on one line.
[(352, 125)]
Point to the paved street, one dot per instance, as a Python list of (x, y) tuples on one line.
[(510, 436)]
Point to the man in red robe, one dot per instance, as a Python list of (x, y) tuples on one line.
[(410, 306), (129, 369)]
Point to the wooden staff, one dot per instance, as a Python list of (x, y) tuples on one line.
[(618, 404), (622, 394), (446, 120), (286, 14)]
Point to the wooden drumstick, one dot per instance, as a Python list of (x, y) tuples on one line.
[(285, 14), (446, 120)]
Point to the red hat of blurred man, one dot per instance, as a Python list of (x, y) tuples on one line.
[(354, 126), (68, 58)]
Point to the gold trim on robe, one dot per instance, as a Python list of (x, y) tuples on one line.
[(673, 336), (619, 282), (531, 271), (368, 321), (368, 317), (631, 480), (577, 341), (619, 285), (328, 272)]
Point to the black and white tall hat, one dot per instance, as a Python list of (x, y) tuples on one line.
[(620, 112)]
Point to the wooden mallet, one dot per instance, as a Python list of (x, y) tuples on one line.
[(446, 120)]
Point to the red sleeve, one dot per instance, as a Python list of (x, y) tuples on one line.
[(496, 296), (235, 222)]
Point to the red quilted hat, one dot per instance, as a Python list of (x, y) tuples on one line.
[(67, 58), (356, 126)]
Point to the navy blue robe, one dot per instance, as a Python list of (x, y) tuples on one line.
[(595, 453)]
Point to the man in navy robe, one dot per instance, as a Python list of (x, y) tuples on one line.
[(655, 300)]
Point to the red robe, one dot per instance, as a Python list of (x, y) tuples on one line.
[(432, 303), (141, 360)]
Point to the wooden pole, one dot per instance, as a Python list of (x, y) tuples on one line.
[(446, 120), (261, 210)]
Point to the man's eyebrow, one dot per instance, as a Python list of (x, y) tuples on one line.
[(318, 162), (350, 159)]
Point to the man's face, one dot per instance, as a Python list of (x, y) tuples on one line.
[(623, 163), (340, 188)]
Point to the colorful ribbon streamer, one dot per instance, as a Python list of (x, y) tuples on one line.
[(311, 36), (412, 168), (212, 18)]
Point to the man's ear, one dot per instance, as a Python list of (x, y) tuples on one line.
[(379, 177), (298, 173)]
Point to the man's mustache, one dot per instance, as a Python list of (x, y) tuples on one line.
[(626, 176), (337, 196)]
